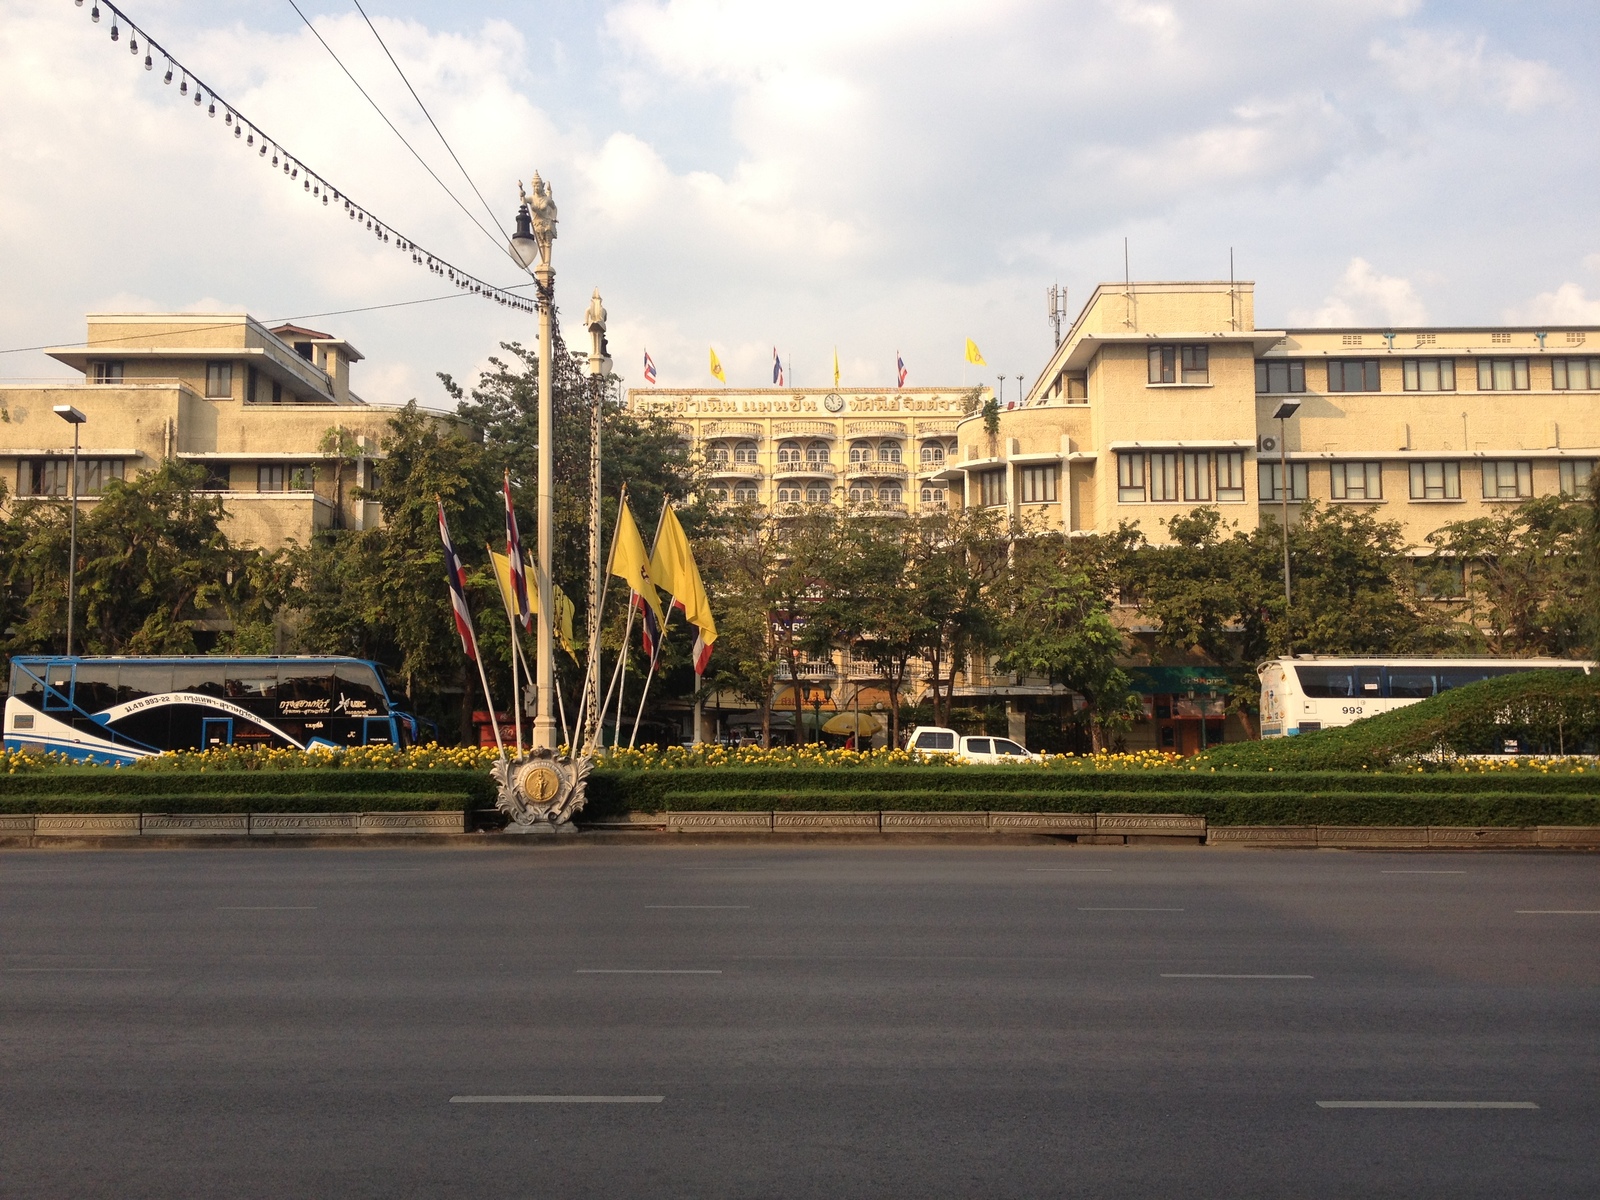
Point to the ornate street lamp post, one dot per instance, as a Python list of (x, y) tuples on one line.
[(76, 419)]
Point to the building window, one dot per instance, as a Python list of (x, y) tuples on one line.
[(105, 372), (1441, 579), (1230, 477), (745, 452), (817, 453), (1163, 478), (745, 493), (716, 493), (991, 488), (717, 455), (1197, 475), (1357, 481), (1077, 389), (818, 495), (1180, 364), (861, 495), (1499, 339), (52, 476), (1280, 375), (1427, 339), (1430, 374), (788, 453), (860, 452), (1578, 374), (1436, 481), (270, 477), (1576, 475), (935, 497), (301, 476), (1507, 479), (789, 495), (219, 380), (1502, 374), (933, 456), (1272, 481), (1038, 484), (889, 452), (891, 495), (1354, 339), (1354, 375), (1130, 479)]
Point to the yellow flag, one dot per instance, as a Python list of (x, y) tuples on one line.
[(674, 571), (836, 366), (974, 355), (629, 562), (716, 368), (564, 607)]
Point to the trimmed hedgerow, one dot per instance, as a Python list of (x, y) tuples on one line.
[(237, 802), (147, 787), (1552, 710)]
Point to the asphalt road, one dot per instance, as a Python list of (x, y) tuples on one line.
[(798, 1021)]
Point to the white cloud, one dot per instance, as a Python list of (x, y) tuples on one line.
[(1364, 297), (1452, 66), (1569, 304)]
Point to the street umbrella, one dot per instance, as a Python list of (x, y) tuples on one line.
[(860, 724)]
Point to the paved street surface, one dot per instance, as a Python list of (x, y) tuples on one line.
[(798, 1021)]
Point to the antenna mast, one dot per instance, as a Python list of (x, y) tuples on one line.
[(1057, 296)]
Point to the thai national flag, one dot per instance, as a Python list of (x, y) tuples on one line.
[(649, 627), (519, 574), (900, 369), (456, 575), (649, 368), (702, 654), (777, 369)]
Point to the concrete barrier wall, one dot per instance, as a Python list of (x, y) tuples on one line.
[(99, 825)]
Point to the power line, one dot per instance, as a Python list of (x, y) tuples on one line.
[(498, 243), (314, 185), (337, 312), (446, 142)]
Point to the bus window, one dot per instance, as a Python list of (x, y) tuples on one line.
[(1454, 677), (135, 681), (26, 686), (202, 680), (1410, 683), (1324, 682), (357, 688), (305, 691), (243, 681), (95, 686), (379, 731)]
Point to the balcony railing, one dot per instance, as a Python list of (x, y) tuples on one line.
[(735, 470), (936, 428), (807, 470), (893, 470), (816, 429), (877, 508), (875, 428), (741, 429), (808, 669)]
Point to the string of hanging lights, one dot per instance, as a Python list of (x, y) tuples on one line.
[(269, 150)]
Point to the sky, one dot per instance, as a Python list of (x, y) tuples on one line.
[(878, 176)]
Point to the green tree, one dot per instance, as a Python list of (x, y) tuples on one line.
[(958, 558)]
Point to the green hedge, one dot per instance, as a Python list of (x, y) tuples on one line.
[(1545, 709), (315, 787), (221, 802)]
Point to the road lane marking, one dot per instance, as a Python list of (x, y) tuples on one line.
[(1524, 1104), (725, 868), (76, 970), (556, 1099), (1067, 870), (1176, 975), (1423, 872), (637, 971), (1559, 912), (697, 906), (1130, 910), (267, 908)]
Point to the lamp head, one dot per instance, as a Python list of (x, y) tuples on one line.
[(524, 246), (1286, 410), (69, 414)]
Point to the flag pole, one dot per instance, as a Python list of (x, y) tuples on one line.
[(655, 651), (622, 663), (586, 710), (516, 653)]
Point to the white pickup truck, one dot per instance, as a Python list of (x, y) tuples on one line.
[(934, 739)]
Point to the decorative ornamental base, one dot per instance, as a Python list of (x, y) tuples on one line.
[(541, 792)]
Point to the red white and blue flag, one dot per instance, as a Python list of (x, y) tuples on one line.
[(456, 575), (702, 653), (777, 369), (649, 627), (649, 368), (899, 369), (519, 572)]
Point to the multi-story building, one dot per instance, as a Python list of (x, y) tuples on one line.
[(879, 453), (268, 413), (1162, 398)]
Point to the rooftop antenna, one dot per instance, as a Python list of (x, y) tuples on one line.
[(1058, 309), (1233, 294), (1127, 288)]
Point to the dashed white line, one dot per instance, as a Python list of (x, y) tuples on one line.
[(1559, 912), (1423, 872), (268, 908), (556, 1099), (639, 971), (1524, 1104), (1197, 975), (719, 906), (1130, 910)]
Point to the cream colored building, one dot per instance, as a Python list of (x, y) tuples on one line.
[(1161, 399), (258, 408), (878, 453)]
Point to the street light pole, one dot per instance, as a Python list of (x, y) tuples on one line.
[(1286, 410), (75, 418)]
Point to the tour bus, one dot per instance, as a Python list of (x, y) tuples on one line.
[(1310, 692), (118, 709)]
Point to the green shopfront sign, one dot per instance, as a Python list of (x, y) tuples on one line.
[(1179, 681)]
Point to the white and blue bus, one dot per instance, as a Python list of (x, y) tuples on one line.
[(118, 709), (1311, 692)]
